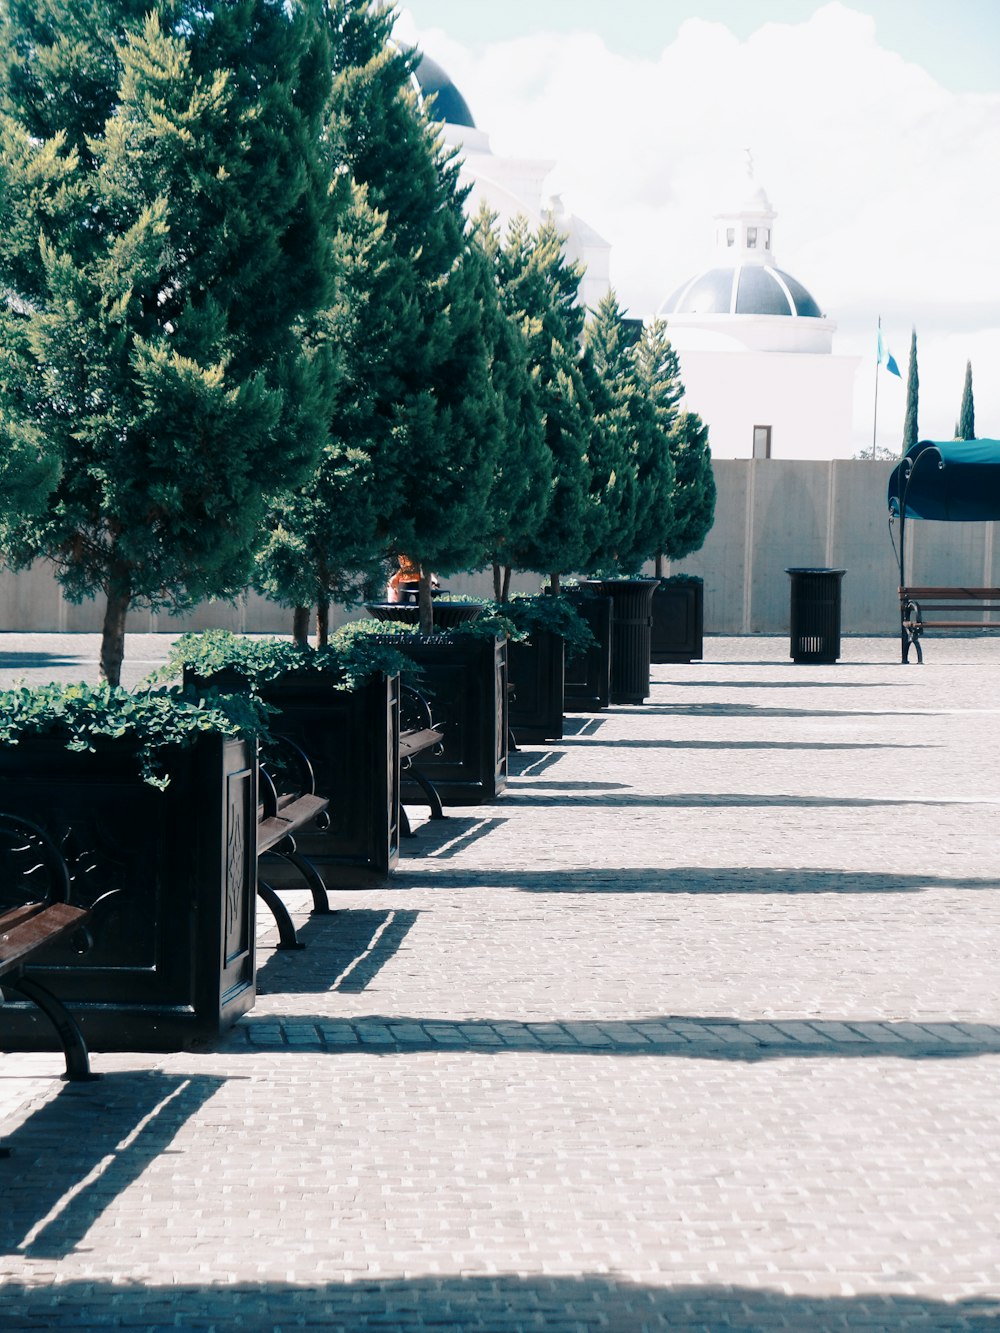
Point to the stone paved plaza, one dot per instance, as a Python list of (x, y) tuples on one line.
[(697, 1027)]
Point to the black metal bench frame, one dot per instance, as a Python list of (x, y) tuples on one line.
[(282, 814), (419, 736), (26, 929), (913, 603)]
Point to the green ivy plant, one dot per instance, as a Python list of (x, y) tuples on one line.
[(532, 613), (679, 579), (153, 720), (348, 660)]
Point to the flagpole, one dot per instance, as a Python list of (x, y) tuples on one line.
[(875, 413)]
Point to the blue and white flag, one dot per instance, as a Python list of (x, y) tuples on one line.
[(885, 357)]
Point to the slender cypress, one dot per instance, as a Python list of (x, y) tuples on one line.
[(910, 432)]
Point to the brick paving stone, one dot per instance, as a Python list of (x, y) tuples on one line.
[(698, 1027)]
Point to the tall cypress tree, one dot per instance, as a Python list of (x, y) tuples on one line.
[(163, 247), (416, 401), (910, 432), (654, 402), (613, 481), (523, 467), (967, 414), (539, 289), (694, 487)]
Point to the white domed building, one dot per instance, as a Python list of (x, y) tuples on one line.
[(756, 350), (509, 185)]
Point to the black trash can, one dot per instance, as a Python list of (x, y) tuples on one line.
[(815, 614), (631, 635)]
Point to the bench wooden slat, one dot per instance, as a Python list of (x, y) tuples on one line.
[(294, 815), (942, 593), (23, 930), (415, 742)]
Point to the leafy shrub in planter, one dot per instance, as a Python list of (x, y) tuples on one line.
[(152, 720), (350, 658)]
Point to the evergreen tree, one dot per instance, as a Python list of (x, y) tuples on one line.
[(163, 249), (655, 375), (694, 487), (910, 434), (416, 401), (539, 290), (613, 481), (523, 470), (967, 415)]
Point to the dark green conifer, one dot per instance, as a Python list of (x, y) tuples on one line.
[(163, 253), (910, 430), (967, 414)]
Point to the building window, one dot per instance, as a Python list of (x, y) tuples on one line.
[(751, 238), (767, 238), (762, 441), (730, 235)]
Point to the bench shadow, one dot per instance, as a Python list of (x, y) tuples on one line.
[(712, 880), (674, 1036), (528, 761), (72, 1157), (588, 1303), (443, 838), (576, 724), (344, 952)]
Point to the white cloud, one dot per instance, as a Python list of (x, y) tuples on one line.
[(885, 183)]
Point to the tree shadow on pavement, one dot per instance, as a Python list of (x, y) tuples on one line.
[(674, 1036), (495, 1303), (71, 1158), (712, 880)]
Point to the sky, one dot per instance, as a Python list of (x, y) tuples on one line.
[(874, 127)]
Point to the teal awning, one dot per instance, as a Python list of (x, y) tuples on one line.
[(958, 481)]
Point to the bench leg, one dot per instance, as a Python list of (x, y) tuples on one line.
[(312, 877), (73, 1044), (405, 831), (430, 791), (287, 938)]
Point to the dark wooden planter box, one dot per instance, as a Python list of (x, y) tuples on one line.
[(678, 622), (588, 674), (631, 627), (352, 740), (465, 680), (536, 671), (447, 615), (173, 962)]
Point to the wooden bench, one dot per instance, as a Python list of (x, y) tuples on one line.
[(288, 804), (417, 736), (28, 927), (914, 602)]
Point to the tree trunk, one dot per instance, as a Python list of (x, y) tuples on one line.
[(554, 584), (426, 603), (300, 625), (497, 584), (659, 565), (322, 624), (505, 591), (113, 633)]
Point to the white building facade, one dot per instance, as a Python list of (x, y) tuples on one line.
[(509, 186), (756, 351)]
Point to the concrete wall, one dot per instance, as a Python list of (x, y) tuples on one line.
[(775, 514), (771, 514)]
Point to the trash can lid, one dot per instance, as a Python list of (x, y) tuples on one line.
[(797, 570)]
